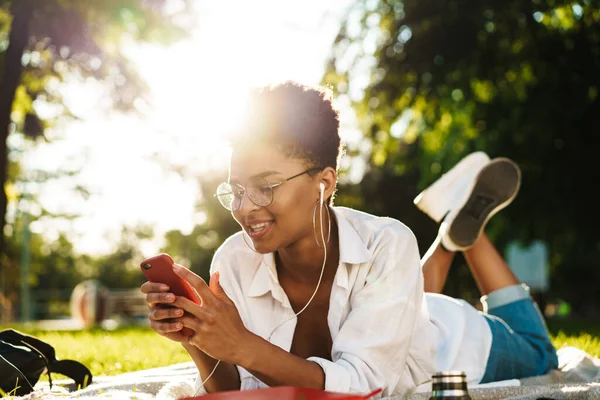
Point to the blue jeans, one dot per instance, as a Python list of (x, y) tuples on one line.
[(521, 345)]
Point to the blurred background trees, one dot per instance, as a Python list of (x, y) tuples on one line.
[(517, 79), (47, 42), (44, 43)]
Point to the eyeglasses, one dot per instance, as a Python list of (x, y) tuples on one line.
[(258, 189)]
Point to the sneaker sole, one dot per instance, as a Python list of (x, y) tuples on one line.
[(495, 188), (432, 201)]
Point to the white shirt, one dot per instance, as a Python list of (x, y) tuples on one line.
[(382, 333)]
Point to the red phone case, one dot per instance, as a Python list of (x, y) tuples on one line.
[(283, 393), (160, 269)]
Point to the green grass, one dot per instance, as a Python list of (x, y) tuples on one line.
[(133, 349), (586, 342), (584, 334), (113, 352)]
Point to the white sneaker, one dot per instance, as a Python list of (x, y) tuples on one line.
[(439, 198), (494, 187)]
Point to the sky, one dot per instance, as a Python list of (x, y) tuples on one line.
[(197, 88)]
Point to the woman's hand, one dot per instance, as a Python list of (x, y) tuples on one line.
[(219, 330), (162, 312)]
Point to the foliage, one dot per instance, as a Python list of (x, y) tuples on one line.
[(512, 78), (46, 43), (52, 262), (120, 268), (56, 268), (78, 39), (43, 45)]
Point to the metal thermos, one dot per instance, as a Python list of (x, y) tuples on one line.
[(449, 385)]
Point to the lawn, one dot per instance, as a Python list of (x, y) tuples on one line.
[(132, 349), (113, 352), (582, 333)]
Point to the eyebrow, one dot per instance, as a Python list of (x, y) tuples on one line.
[(261, 175)]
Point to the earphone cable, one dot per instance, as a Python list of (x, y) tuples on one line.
[(320, 276), (311, 297)]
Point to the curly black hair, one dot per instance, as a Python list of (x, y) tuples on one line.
[(299, 120)]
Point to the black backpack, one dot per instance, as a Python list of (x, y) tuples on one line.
[(24, 358)]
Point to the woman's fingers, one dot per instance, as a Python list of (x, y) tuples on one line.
[(160, 313), (160, 298), (164, 328), (197, 283), (190, 322), (200, 312), (149, 287), (157, 293)]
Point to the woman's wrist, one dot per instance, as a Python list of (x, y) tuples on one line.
[(188, 347), (250, 348), (195, 352)]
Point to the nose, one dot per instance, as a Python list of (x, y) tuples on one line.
[(246, 205)]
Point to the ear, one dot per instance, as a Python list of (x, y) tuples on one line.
[(327, 178)]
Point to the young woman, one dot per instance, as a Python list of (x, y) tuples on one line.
[(311, 295)]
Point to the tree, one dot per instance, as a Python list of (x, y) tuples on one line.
[(121, 268), (53, 269), (512, 78), (46, 41)]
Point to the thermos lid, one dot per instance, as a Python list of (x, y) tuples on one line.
[(449, 385)]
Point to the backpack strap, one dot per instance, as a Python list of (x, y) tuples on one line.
[(74, 370), (70, 368), (19, 339)]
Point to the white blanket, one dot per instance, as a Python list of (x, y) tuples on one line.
[(578, 377)]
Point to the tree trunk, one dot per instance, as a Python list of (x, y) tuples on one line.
[(18, 39)]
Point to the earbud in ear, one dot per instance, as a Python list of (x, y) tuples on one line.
[(322, 186)]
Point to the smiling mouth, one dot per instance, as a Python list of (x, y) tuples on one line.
[(258, 227), (257, 230)]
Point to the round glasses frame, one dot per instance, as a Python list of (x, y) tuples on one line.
[(261, 193)]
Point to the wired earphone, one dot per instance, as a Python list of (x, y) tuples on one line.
[(321, 195), (322, 187)]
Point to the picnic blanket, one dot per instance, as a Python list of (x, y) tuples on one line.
[(578, 377)]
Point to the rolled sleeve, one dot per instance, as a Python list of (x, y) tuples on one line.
[(337, 376)]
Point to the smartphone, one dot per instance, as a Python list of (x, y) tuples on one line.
[(160, 269)]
